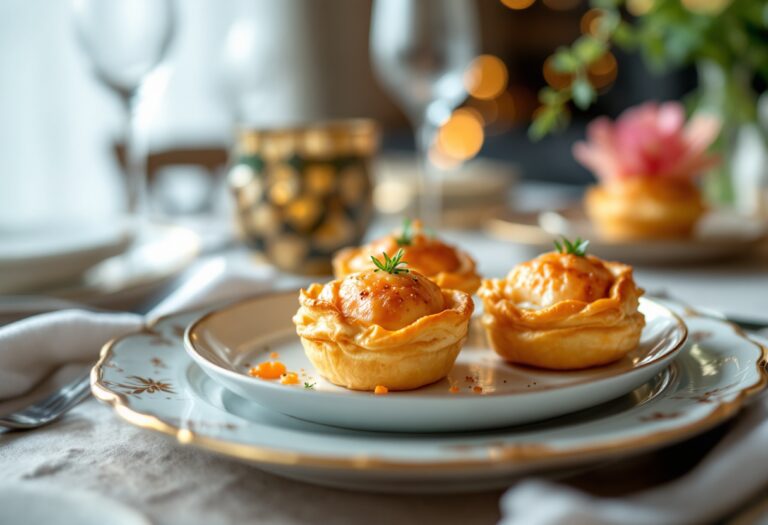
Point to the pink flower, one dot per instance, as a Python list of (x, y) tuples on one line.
[(650, 140)]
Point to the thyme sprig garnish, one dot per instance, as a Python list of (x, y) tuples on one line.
[(406, 234), (577, 247), (309, 386), (390, 265)]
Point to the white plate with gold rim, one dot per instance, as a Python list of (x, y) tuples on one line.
[(481, 391), (152, 383)]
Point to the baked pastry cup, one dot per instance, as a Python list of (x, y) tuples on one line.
[(372, 328), (636, 209), (563, 312), (445, 265)]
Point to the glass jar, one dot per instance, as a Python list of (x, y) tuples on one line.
[(301, 194)]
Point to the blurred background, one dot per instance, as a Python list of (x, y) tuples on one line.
[(289, 126), (61, 127)]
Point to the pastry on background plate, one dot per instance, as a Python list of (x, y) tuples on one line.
[(447, 266), (563, 310), (646, 164), (384, 328)]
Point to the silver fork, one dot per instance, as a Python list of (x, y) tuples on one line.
[(51, 408)]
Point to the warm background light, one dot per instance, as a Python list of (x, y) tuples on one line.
[(603, 71), (518, 4), (590, 22), (639, 7), (461, 137), (486, 78), (553, 77)]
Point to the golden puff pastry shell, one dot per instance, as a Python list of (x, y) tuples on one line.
[(362, 357), (568, 334), (460, 272), (644, 209)]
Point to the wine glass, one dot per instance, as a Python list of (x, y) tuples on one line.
[(125, 40), (420, 51)]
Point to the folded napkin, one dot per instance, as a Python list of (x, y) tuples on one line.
[(720, 484), (34, 347)]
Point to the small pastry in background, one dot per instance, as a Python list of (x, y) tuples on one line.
[(383, 328), (563, 310), (646, 164), (447, 266)]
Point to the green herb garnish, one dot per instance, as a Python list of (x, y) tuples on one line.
[(309, 386), (577, 247), (406, 235), (390, 265)]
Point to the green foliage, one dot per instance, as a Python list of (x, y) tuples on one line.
[(577, 247), (390, 265), (668, 35), (406, 235)]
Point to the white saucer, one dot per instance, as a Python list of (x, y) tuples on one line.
[(718, 235), (159, 253), (491, 393), (36, 257)]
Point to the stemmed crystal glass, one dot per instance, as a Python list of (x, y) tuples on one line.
[(125, 40), (420, 51)]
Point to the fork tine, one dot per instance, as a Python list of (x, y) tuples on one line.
[(50, 408), (67, 395)]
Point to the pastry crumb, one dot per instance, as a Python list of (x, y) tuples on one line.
[(268, 370), (380, 390)]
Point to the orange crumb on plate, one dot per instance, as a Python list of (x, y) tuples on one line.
[(268, 370), (290, 378), (454, 389), (274, 355), (380, 390), (477, 389)]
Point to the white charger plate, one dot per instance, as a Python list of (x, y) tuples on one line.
[(492, 393), (151, 382)]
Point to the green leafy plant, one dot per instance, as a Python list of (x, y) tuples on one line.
[(577, 247), (406, 234), (727, 35), (309, 386), (390, 265)]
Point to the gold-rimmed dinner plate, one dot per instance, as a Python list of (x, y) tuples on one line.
[(481, 391), (151, 382), (719, 235)]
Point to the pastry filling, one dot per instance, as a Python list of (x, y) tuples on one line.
[(391, 301), (555, 277)]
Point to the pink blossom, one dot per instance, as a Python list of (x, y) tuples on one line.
[(650, 140)]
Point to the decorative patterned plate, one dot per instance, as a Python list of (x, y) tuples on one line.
[(482, 391), (151, 382)]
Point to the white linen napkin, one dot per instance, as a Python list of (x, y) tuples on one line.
[(726, 478), (32, 348)]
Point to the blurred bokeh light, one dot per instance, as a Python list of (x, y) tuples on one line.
[(486, 78), (518, 4)]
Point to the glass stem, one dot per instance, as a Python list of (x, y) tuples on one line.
[(430, 184), (135, 164)]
